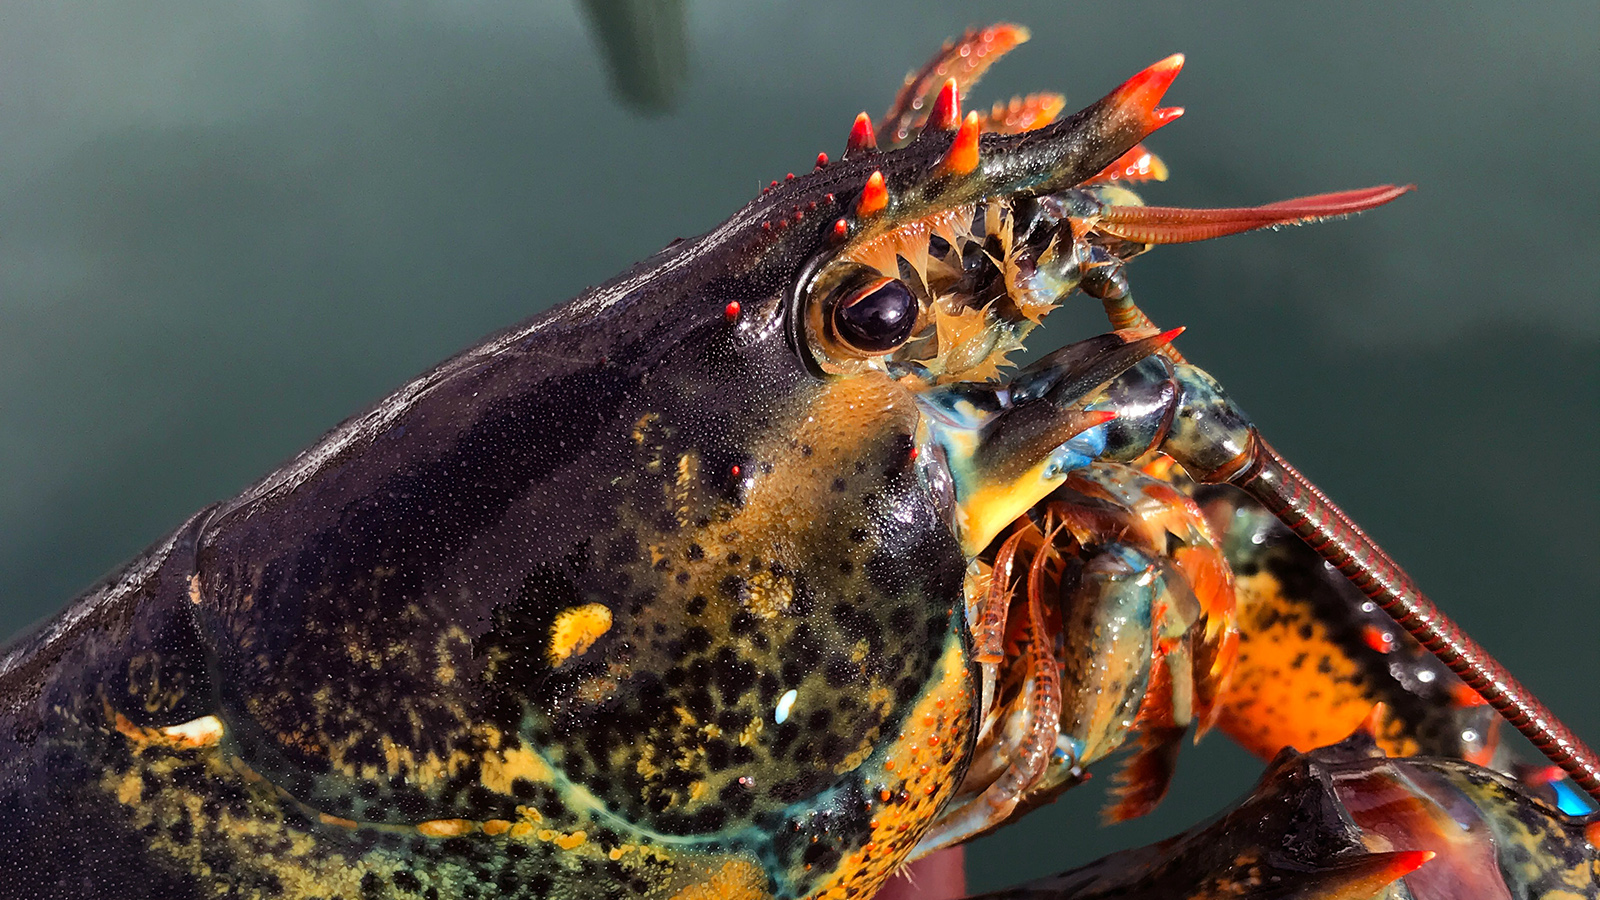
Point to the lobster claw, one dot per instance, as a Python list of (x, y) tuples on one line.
[(1007, 445)]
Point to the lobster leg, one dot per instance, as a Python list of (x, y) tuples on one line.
[(1315, 655), (1107, 630), (1215, 442), (1178, 409), (1103, 634), (989, 622), (1281, 488), (1192, 630), (1129, 670), (1030, 741)]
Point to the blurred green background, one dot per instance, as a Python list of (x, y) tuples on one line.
[(225, 227)]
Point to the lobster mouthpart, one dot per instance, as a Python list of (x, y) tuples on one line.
[(1008, 445)]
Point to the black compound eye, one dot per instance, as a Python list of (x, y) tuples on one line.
[(876, 317)]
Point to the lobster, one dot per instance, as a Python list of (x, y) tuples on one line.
[(749, 572)]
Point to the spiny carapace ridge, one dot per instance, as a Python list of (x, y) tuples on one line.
[(1135, 98)]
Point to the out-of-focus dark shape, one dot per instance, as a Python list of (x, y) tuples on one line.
[(646, 46)]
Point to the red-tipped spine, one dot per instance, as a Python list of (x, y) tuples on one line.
[(1462, 695), (1138, 164), (962, 157), (1404, 862), (1094, 417), (1140, 94), (874, 196), (1372, 725), (862, 138), (1170, 335), (1542, 776), (946, 112)]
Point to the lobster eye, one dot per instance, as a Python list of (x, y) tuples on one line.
[(876, 317)]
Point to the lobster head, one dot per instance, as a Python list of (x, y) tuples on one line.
[(683, 561)]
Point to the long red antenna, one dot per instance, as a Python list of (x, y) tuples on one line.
[(1302, 506)]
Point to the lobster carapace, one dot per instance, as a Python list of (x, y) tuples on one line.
[(747, 573)]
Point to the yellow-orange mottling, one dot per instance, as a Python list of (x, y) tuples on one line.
[(1292, 686), (500, 769), (201, 732), (738, 879), (194, 734), (130, 789), (576, 629), (843, 419), (444, 827), (897, 825)]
